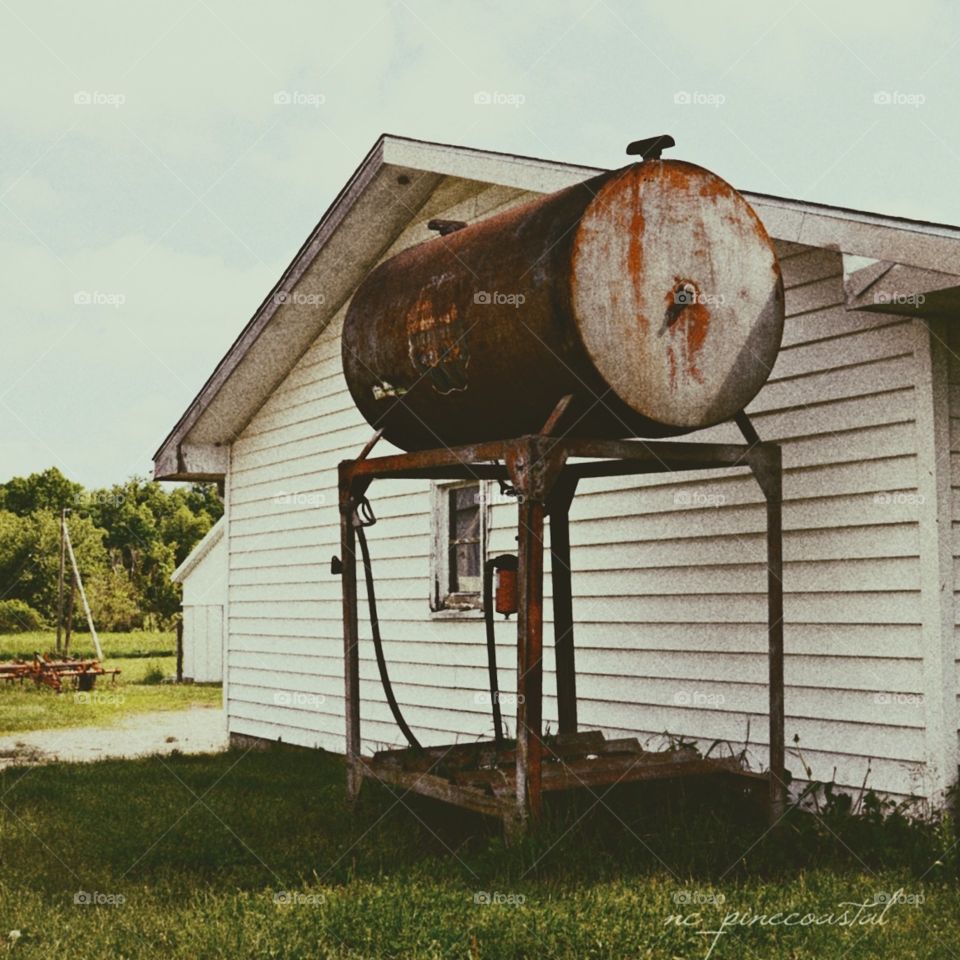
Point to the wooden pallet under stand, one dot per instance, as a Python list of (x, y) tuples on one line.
[(482, 776), (507, 780)]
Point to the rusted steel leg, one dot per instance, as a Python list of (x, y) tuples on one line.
[(529, 659), (351, 657), (563, 606), (774, 494)]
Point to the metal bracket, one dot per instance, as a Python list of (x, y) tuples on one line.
[(652, 147), (746, 428), (534, 463), (446, 227)]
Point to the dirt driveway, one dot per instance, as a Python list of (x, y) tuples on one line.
[(195, 730)]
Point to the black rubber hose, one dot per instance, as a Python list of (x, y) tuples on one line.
[(488, 615), (378, 643)]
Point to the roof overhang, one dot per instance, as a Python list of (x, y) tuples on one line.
[(392, 188)]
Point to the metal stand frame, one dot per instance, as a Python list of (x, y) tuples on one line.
[(539, 468)]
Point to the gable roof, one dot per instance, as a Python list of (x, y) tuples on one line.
[(393, 187), (209, 540)]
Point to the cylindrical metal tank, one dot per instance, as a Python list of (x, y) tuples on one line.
[(651, 293)]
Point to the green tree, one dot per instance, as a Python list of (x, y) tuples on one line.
[(128, 540), (48, 490), (41, 574), (114, 601)]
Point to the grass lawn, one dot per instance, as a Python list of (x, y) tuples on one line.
[(137, 643), (255, 854), (143, 659)]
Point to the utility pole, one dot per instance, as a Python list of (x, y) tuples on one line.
[(63, 557), (71, 599), (83, 594), (180, 648)]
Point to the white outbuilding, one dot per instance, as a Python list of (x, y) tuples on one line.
[(203, 576), (668, 574)]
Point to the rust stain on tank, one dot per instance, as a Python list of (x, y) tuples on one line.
[(716, 188), (675, 176), (687, 322), (436, 343), (635, 249)]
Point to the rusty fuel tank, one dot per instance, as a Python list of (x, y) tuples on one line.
[(652, 294)]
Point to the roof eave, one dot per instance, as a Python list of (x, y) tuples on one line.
[(912, 242), (167, 458)]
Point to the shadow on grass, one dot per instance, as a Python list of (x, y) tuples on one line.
[(271, 818)]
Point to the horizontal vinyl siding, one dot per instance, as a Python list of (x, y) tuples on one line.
[(670, 590), (953, 386)]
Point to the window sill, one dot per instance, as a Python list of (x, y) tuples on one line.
[(457, 613)]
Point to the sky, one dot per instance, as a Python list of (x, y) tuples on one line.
[(161, 164)]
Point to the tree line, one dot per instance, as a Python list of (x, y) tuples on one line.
[(128, 539)]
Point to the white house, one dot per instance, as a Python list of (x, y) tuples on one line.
[(204, 578), (668, 574)]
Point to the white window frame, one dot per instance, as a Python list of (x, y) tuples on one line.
[(443, 601)]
